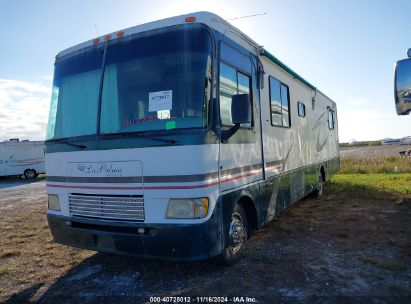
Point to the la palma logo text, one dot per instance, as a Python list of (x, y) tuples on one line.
[(100, 169)]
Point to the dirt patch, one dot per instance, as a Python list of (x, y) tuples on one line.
[(340, 248)]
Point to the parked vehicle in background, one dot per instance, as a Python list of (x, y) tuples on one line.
[(22, 158), (177, 138), (406, 140), (402, 85), (391, 141)]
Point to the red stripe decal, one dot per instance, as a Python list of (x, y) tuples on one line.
[(27, 164), (30, 160), (155, 187)]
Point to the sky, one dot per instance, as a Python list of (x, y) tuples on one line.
[(346, 48)]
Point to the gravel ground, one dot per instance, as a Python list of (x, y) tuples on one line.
[(341, 248)]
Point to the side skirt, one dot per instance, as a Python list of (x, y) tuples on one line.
[(275, 195)]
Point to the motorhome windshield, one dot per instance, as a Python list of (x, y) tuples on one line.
[(152, 82)]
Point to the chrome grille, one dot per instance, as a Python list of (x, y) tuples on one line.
[(110, 207)]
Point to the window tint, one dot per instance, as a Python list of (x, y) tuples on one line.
[(285, 104), (301, 109), (148, 86), (228, 88), (232, 82), (275, 100), (331, 119), (234, 57), (279, 103), (74, 102), (243, 84)]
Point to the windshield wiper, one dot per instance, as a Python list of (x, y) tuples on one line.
[(169, 141), (117, 135), (65, 141), (139, 135)]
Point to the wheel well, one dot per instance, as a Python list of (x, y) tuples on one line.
[(322, 172), (249, 208)]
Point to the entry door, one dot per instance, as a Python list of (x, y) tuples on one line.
[(241, 154), (275, 118)]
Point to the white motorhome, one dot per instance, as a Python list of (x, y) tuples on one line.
[(406, 140), (177, 138), (21, 158)]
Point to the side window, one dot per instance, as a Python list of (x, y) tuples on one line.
[(301, 109), (232, 82), (279, 103), (285, 104), (275, 101), (331, 119)]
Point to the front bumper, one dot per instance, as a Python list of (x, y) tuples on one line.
[(187, 242)]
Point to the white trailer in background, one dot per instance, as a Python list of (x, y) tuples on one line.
[(18, 158), (406, 140)]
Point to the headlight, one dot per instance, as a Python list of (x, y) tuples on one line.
[(187, 208), (53, 201)]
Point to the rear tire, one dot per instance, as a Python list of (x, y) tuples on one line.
[(30, 174), (318, 191), (237, 236)]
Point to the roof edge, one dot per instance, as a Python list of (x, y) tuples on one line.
[(282, 65)]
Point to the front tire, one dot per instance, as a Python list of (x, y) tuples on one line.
[(237, 236), (30, 174)]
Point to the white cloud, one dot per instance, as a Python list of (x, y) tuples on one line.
[(23, 86), (24, 109)]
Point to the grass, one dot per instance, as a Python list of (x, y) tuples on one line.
[(362, 165), (373, 185), (375, 177)]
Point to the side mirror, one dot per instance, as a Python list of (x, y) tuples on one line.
[(402, 85), (240, 109), (240, 114)]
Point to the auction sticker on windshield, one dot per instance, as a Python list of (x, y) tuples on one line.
[(160, 101)]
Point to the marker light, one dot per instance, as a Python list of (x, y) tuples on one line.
[(107, 37), (190, 19), (53, 202), (120, 34), (95, 41), (187, 208)]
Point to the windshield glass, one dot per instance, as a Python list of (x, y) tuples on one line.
[(154, 82), (157, 82), (74, 100)]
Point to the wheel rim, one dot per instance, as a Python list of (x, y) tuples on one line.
[(238, 233), (320, 184), (30, 174)]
